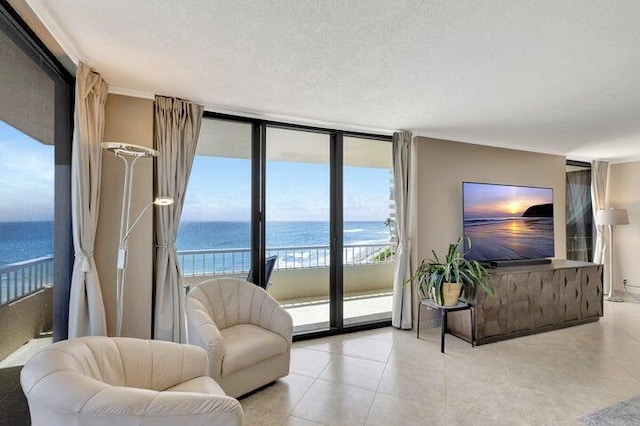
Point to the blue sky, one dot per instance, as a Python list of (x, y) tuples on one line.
[(26, 177), (220, 189)]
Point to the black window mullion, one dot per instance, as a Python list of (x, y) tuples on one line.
[(336, 292), (257, 201), (262, 203)]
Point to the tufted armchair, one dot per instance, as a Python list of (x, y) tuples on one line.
[(245, 331), (124, 381)]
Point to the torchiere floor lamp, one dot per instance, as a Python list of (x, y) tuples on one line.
[(612, 217), (129, 154)]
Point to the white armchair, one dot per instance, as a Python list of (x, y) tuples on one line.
[(124, 381), (245, 331)]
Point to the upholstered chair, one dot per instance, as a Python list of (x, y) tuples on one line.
[(245, 331), (124, 381)]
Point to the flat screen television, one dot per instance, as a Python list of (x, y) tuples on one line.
[(507, 222)]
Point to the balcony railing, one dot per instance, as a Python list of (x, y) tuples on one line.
[(238, 261), (23, 278)]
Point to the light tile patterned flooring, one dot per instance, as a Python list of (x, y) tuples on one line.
[(388, 377)]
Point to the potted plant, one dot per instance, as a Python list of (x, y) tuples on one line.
[(445, 281)]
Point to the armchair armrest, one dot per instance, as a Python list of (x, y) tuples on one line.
[(203, 332), (153, 407), (274, 317)]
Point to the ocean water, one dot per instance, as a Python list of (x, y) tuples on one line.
[(225, 235), (21, 241), (510, 238)]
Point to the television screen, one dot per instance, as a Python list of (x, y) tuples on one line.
[(507, 222)]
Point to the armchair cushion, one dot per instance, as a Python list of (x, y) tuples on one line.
[(247, 345), (198, 385)]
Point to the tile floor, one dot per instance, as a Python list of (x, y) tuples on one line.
[(388, 377)]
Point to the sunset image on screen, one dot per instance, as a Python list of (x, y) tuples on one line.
[(508, 222), (495, 201)]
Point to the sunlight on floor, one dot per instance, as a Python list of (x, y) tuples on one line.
[(305, 313), (26, 351)]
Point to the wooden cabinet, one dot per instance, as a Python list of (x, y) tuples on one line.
[(532, 299), (491, 320)]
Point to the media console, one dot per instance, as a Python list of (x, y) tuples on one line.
[(533, 299), (518, 262)]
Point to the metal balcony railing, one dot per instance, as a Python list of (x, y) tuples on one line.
[(238, 261), (23, 278)]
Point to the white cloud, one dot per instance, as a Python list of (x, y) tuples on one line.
[(27, 172)]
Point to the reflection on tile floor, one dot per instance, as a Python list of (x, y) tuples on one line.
[(388, 377)]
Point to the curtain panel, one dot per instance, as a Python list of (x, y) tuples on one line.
[(176, 130), (579, 215), (86, 307), (401, 316), (599, 187)]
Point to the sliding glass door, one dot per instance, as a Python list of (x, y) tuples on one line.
[(297, 219), (368, 230), (305, 212)]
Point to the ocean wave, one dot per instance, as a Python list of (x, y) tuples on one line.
[(490, 220), (353, 231)]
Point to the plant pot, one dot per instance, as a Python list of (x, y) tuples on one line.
[(451, 293)]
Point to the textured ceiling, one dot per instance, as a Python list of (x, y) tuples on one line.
[(560, 76)]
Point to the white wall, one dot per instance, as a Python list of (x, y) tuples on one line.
[(624, 193)]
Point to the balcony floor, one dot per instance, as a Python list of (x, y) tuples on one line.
[(26, 351), (310, 315)]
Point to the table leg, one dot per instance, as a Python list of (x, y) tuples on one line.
[(418, 332), (443, 327), (473, 328)]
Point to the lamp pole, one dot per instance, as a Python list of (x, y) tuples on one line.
[(611, 297)]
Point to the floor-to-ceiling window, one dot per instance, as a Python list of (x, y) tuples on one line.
[(297, 221), (368, 229), (35, 216), (579, 212), (319, 201), (215, 228)]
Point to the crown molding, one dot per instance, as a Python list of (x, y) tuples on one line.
[(134, 93), (298, 120), (504, 146), (626, 160), (54, 29)]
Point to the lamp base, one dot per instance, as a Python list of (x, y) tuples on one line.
[(613, 299)]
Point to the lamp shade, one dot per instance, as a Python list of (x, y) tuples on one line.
[(163, 201), (129, 149), (612, 217)]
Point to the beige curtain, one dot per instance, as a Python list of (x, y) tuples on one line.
[(176, 129), (401, 316), (599, 183), (86, 307)]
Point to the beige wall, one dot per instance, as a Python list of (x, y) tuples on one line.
[(127, 120), (623, 193), (438, 169)]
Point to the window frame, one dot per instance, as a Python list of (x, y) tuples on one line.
[(19, 32)]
